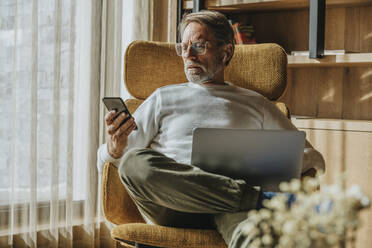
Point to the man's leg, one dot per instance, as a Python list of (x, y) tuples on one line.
[(163, 188), (231, 226)]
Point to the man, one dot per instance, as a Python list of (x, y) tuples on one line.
[(165, 187)]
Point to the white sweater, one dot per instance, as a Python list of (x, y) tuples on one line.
[(167, 118)]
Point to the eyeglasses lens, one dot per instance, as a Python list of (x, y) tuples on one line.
[(197, 48)]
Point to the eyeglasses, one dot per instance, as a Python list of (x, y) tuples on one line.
[(198, 48)]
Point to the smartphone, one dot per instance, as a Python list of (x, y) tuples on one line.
[(117, 104)]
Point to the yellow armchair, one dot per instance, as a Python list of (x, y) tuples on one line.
[(149, 65)]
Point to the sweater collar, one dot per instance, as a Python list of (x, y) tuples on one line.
[(210, 86)]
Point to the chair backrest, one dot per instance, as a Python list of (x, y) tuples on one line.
[(150, 65)]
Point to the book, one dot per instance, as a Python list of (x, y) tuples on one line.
[(243, 33)]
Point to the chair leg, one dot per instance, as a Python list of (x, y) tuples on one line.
[(145, 246)]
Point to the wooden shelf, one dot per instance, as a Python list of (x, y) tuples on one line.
[(352, 59), (264, 5), (333, 124)]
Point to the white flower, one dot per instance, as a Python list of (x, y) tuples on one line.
[(289, 227), (310, 184), (295, 185), (264, 226), (332, 240), (256, 243), (285, 241), (267, 239), (264, 213), (252, 213), (365, 202), (318, 218), (284, 187), (248, 228), (354, 191)]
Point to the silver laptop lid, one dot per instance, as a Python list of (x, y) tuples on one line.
[(260, 157)]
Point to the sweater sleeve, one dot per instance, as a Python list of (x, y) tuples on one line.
[(103, 157), (274, 119), (147, 119)]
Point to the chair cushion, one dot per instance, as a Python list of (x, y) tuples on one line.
[(150, 65), (167, 237)]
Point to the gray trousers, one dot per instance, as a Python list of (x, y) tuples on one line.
[(180, 195)]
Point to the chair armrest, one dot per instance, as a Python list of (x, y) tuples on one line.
[(117, 205), (283, 108), (167, 237)]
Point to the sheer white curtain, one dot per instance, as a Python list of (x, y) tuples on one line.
[(58, 58), (153, 20), (52, 56), (137, 25)]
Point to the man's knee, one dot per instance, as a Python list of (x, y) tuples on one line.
[(140, 173), (134, 165), (141, 166)]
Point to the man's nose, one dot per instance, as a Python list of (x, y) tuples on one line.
[(189, 53)]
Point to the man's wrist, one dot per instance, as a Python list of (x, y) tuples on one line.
[(114, 154)]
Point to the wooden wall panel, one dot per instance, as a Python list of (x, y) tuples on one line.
[(330, 92), (315, 92), (366, 29), (358, 93), (290, 29), (347, 151), (352, 32), (301, 92), (348, 28), (358, 29), (334, 29)]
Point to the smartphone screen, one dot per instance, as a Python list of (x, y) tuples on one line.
[(117, 104)]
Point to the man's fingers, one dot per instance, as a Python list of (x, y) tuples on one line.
[(120, 119), (109, 117), (125, 128), (122, 129), (115, 124), (129, 129)]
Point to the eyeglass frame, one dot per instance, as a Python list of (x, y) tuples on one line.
[(193, 47)]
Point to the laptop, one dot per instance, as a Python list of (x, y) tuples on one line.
[(261, 157)]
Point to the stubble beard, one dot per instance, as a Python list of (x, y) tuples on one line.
[(203, 76), (206, 74)]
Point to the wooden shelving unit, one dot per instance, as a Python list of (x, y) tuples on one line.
[(345, 60), (265, 5), (335, 86), (348, 27)]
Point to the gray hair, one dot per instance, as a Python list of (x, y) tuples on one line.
[(215, 22)]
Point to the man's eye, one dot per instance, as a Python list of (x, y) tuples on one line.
[(199, 45)]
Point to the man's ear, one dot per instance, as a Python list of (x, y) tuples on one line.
[(228, 51)]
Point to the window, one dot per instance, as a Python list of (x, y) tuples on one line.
[(35, 121)]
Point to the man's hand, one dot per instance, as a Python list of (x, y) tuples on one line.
[(118, 133), (309, 173)]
